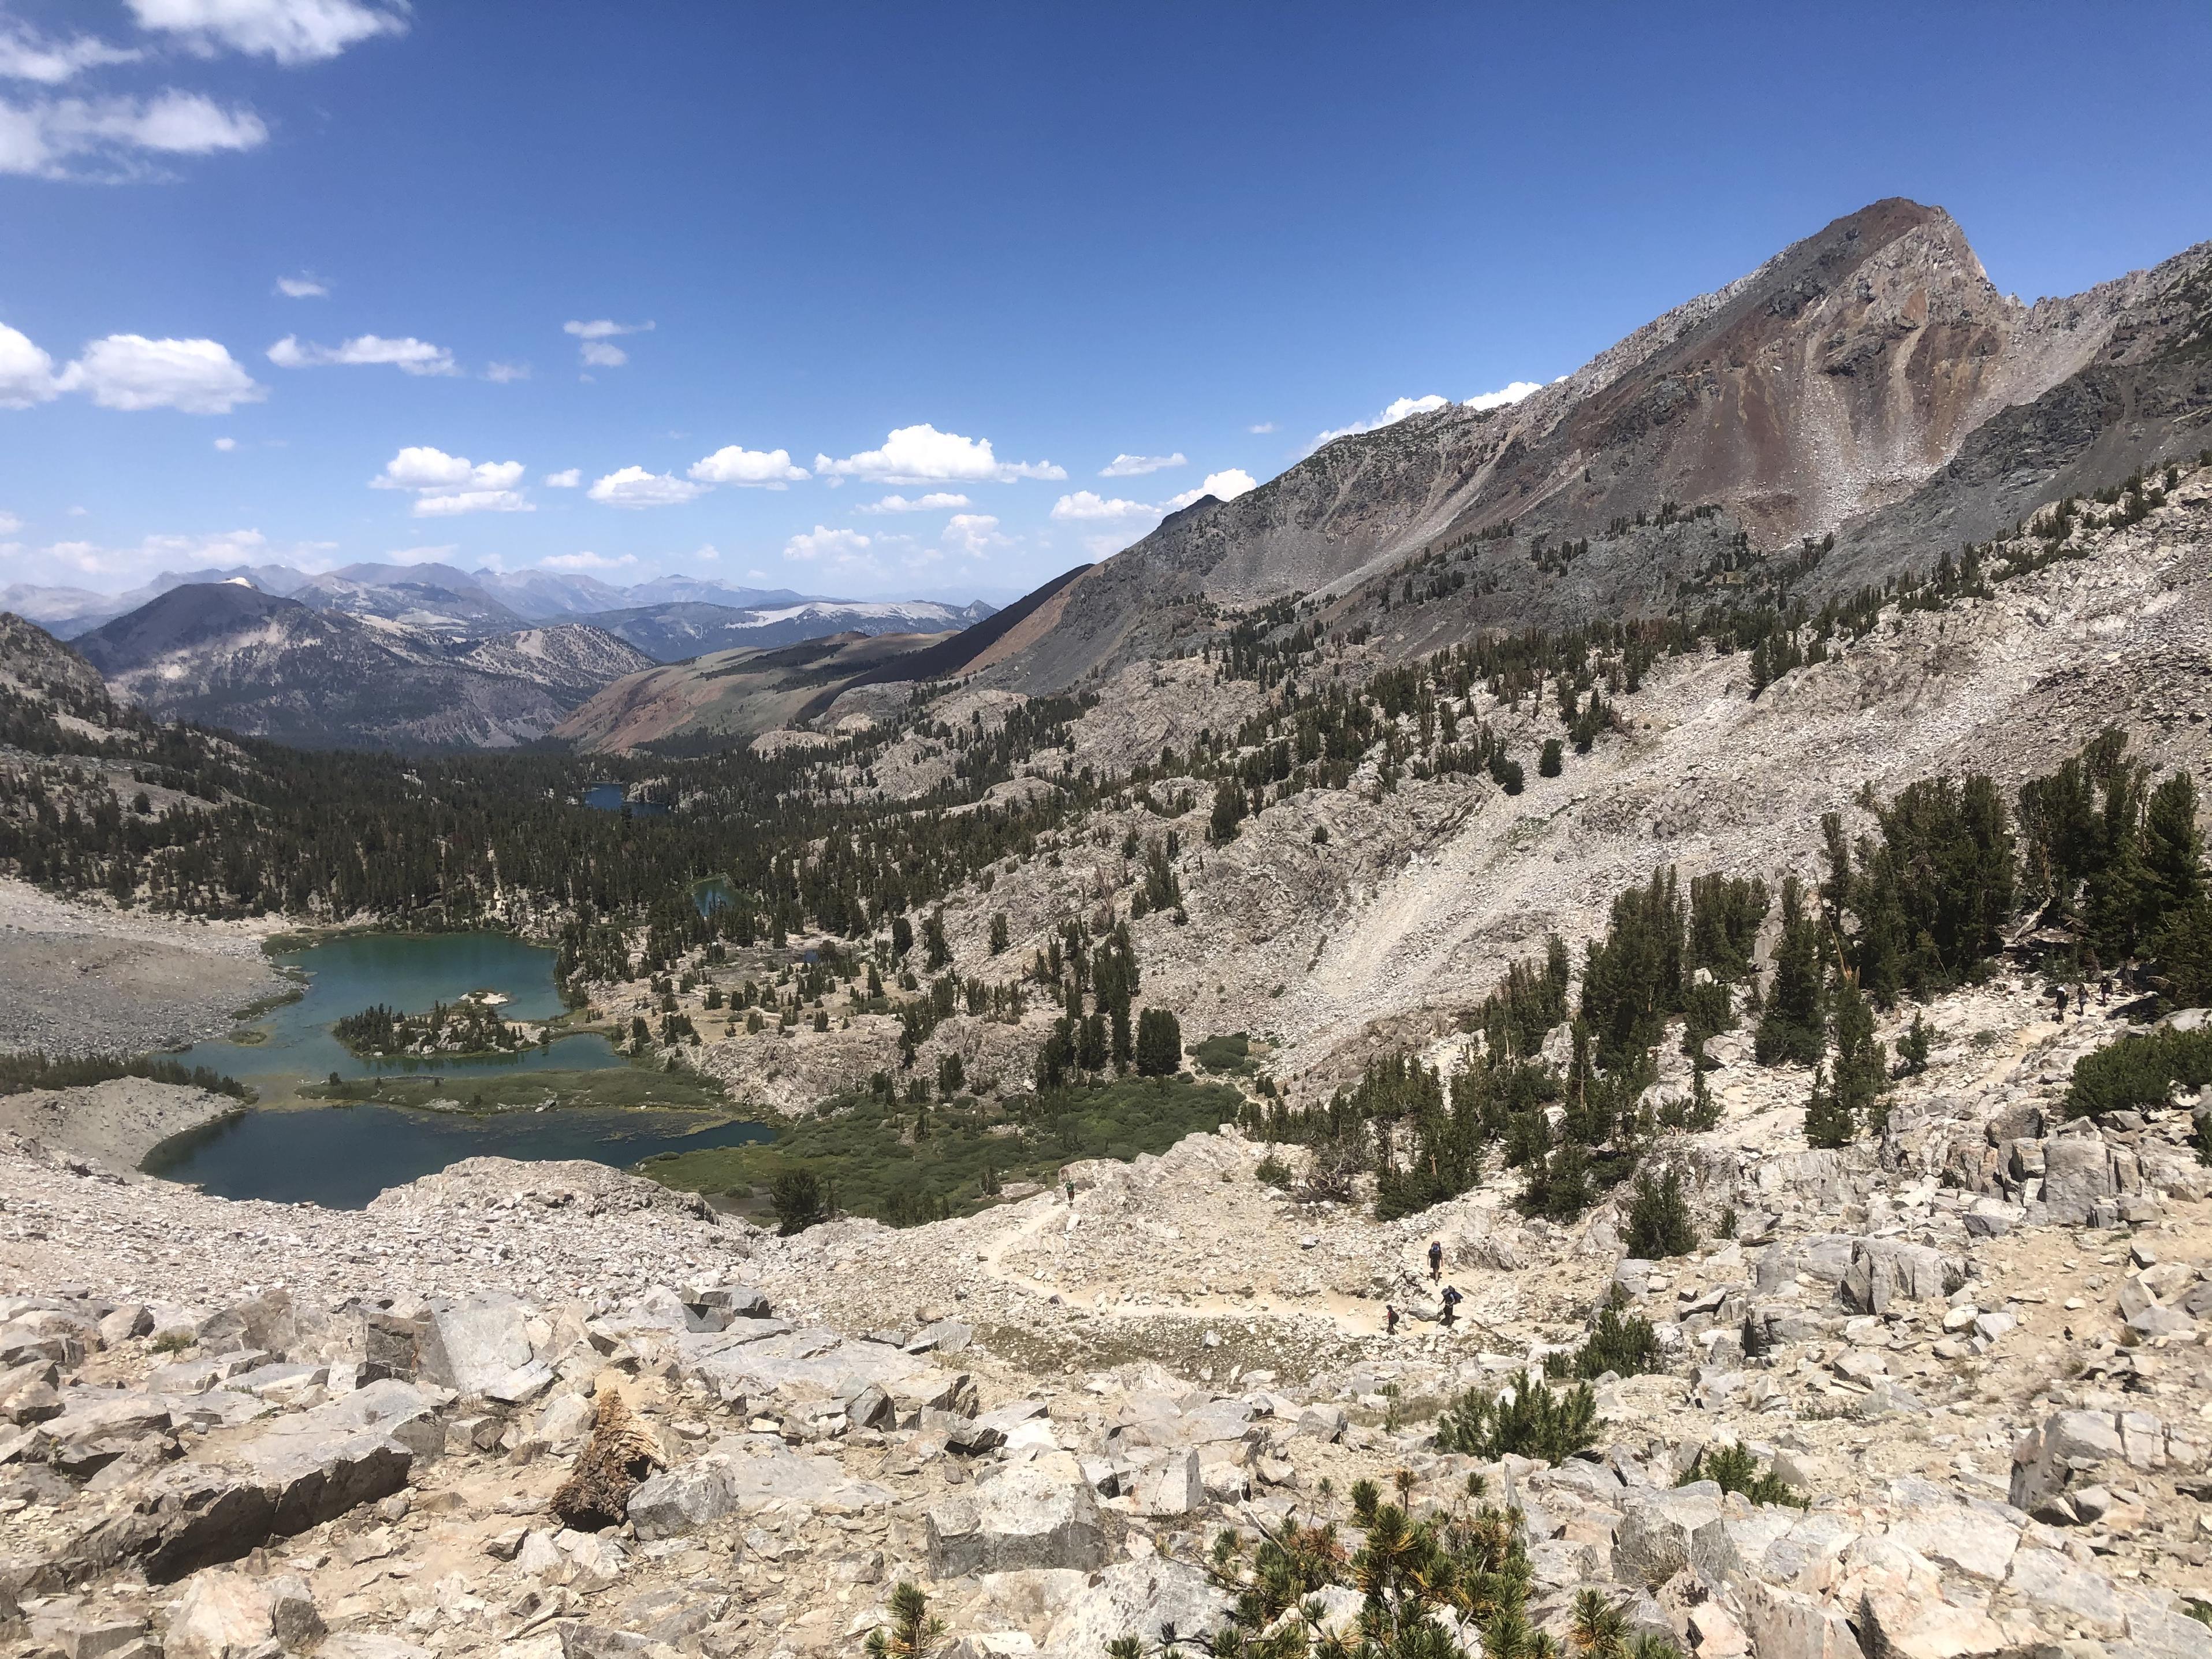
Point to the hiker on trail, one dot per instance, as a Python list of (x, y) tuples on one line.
[(2061, 994), (1451, 1313), (2081, 999), (2104, 990), (1435, 1260), (1389, 1319), (1070, 1193)]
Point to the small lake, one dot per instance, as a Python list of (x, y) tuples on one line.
[(341, 1157), (711, 895), (614, 798), (409, 972)]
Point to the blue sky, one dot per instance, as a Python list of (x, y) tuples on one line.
[(965, 255)]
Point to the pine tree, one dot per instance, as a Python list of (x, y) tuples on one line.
[(1797, 1007), (1861, 1072), (1912, 1048), (1632, 978), (1827, 1123), (1159, 1043), (913, 1633), (1229, 810), (2173, 853), (1659, 1218)]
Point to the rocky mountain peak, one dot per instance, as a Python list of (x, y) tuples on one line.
[(1842, 379)]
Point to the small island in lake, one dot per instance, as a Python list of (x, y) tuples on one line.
[(467, 1028)]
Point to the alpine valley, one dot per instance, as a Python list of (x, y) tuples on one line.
[(1578, 1027)]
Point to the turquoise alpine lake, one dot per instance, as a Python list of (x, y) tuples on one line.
[(342, 1155), (408, 972)]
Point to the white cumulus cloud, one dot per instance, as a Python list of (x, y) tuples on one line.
[(506, 373), (922, 454), (731, 464), (174, 552), (472, 500), (288, 31), (1135, 466), (407, 353), (586, 561), (1086, 504), (1222, 486), (821, 543), (1397, 410), (131, 372), (1264, 426), (226, 445), (595, 351), (1504, 395), (58, 137), (27, 373), (10, 524), (448, 485), (1400, 408), (633, 486), (974, 534), (24, 55), (302, 287), (571, 478), (936, 500)]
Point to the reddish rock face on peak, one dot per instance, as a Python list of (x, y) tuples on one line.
[(1833, 380)]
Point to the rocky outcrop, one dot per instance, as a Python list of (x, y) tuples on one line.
[(1039, 1514)]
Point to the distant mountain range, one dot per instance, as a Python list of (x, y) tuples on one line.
[(227, 654), (426, 656), (669, 617)]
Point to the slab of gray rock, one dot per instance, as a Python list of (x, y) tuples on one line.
[(1968, 1539), (1136, 1598), (2051, 1583), (475, 1346), (1664, 1530), (796, 1478), (683, 1500), (1041, 1513), (2077, 1175), (2052, 1456), (988, 1431)]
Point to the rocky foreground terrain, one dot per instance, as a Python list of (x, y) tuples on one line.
[(1975, 1350)]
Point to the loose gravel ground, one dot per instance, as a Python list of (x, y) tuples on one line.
[(80, 979)]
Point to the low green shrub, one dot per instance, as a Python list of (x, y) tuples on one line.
[(1626, 1346), (1533, 1421), (1736, 1470), (1231, 1052), (2138, 1071)]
